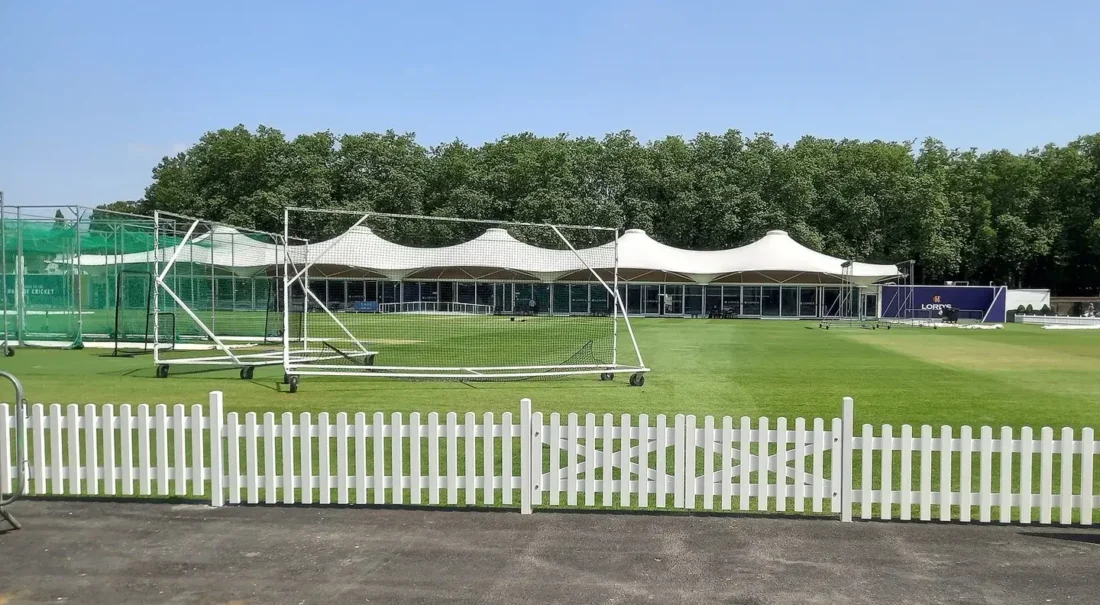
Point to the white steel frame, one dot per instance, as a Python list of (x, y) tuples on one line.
[(297, 367), (436, 308), (225, 355)]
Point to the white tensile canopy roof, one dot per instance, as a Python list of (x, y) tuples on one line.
[(496, 255)]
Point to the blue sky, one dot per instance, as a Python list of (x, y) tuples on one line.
[(93, 94)]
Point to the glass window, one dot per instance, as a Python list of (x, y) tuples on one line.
[(561, 299), (355, 292), (807, 302), (674, 300), (411, 291), (578, 298), (750, 300), (731, 299), (541, 294), (652, 299), (484, 294), (770, 301), (713, 298), (446, 291), (336, 291), (429, 290), (870, 305), (466, 293), (693, 300), (788, 304), (633, 299), (830, 300)]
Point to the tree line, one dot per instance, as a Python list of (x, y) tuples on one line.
[(1022, 219)]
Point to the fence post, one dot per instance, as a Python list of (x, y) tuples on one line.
[(526, 478), (846, 458), (217, 465)]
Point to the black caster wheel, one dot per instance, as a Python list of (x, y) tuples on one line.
[(607, 376), (247, 372), (368, 360), (286, 378), (9, 352), (293, 382), (637, 380), (162, 371)]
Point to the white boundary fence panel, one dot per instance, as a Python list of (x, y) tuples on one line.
[(823, 466)]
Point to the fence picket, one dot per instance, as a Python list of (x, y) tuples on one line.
[(488, 460), (342, 462), (305, 443), (107, 426), (452, 458), (727, 463), (985, 475), (287, 444), (553, 433), (416, 496), (160, 426), (925, 472), (781, 464), (251, 463), (73, 448), (1087, 452), (866, 466), (57, 479), (677, 444), (198, 466), (1005, 509), (946, 454), (217, 456), (624, 460), (145, 479), (38, 463), (689, 468), (378, 434), (886, 480), (233, 456), (506, 458), (836, 473), (906, 473), (324, 468), (608, 456), (966, 483), (643, 461), (537, 430), (179, 443), (397, 459), (589, 459), (1027, 445), (471, 458), (661, 472), (763, 450), (800, 464), (270, 484), (1046, 473), (91, 451), (1065, 487), (359, 432), (819, 462), (433, 458), (745, 460)]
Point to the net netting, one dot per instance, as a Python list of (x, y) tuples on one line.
[(219, 283), (421, 295), (62, 274)]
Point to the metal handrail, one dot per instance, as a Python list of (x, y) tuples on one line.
[(20, 446)]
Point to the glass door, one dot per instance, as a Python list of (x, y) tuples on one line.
[(788, 301), (769, 306)]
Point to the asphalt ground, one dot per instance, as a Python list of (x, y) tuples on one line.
[(120, 553)]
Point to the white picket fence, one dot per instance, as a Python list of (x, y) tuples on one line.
[(537, 460)]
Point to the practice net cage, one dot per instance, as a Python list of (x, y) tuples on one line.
[(215, 295), (71, 277), (444, 298)]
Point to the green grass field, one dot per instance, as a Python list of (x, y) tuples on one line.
[(1019, 376)]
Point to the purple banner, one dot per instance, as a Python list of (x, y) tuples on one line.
[(984, 303)]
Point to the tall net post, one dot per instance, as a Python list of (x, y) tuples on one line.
[(429, 297)]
